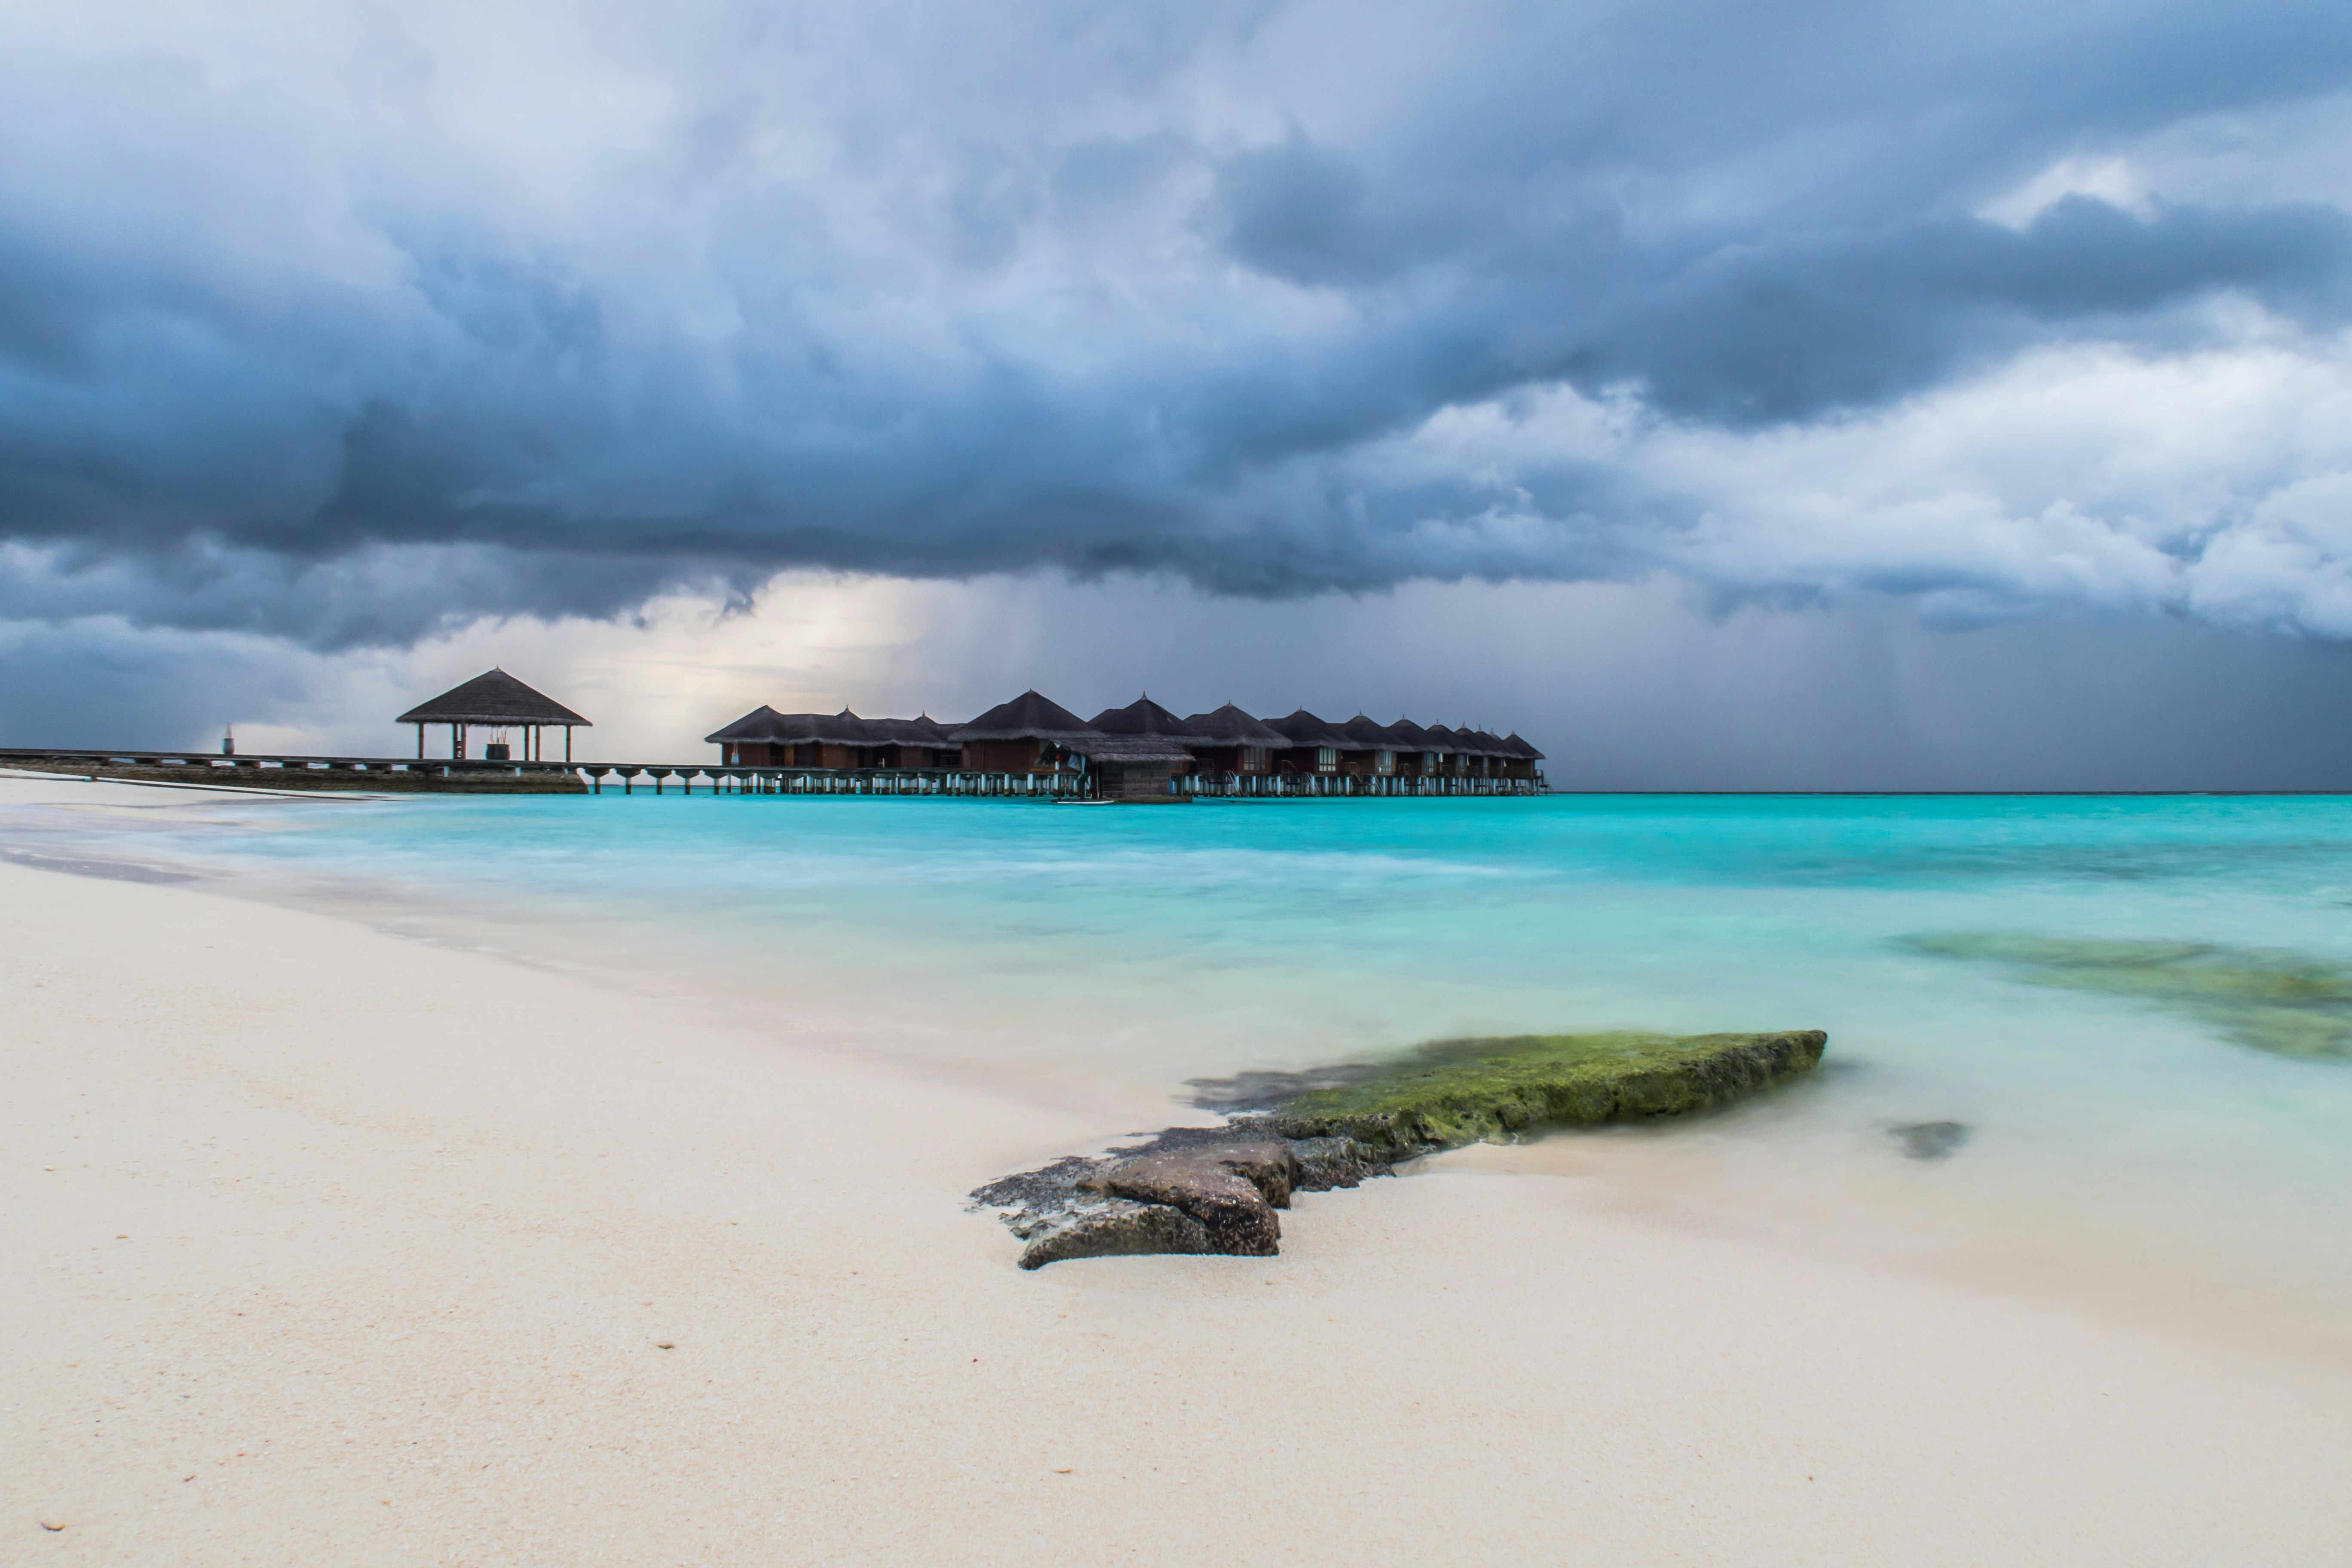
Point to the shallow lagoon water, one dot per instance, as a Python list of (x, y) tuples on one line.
[(1120, 952)]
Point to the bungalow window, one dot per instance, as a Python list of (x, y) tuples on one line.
[(1253, 759), (1326, 758), (1429, 761), (1385, 761)]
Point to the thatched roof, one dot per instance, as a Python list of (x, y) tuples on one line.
[(1303, 729), (842, 728), (1145, 717), (1411, 737), (1522, 747), (1369, 734), (1027, 718), (1129, 748), (494, 697), (1229, 726), (923, 730), (752, 726)]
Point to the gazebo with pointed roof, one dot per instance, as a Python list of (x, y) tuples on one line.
[(494, 700)]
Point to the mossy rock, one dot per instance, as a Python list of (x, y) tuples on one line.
[(1454, 1092)]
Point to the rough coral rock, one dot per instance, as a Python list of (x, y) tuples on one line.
[(1215, 1189), (1232, 1189), (1112, 1227)]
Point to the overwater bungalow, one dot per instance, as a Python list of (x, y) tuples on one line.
[(1030, 734), (918, 742), (764, 738), (1235, 743), (1315, 747), (1376, 748), (1452, 762), (1138, 749), (1417, 756)]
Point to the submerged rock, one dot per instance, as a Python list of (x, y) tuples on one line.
[(1930, 1139), (1215, 1189), (2288, 1003)]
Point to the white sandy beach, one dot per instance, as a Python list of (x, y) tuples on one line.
[(332, 1248)]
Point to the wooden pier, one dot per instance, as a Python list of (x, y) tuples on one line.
[(1027, 749), (1062, 785), (469, 776)]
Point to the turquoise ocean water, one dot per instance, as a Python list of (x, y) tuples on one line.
[(1963, 954)]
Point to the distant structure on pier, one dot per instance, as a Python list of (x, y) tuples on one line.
[(1144, 751), (495, 701)]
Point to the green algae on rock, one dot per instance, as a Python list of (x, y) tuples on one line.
[(2286, 1004), (1454, 1092), (1215, 1189)]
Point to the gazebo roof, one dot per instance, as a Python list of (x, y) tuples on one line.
[(1519, 745), (493, 697)]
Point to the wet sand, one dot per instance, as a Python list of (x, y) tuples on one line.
[(328, 1246)]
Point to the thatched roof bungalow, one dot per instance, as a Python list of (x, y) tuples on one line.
[(1138, 749), (1315, 747), (1235, 742), (765, 738), (1029, 735), (1376, 748)]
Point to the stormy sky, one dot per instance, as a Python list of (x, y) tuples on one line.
[(1726, 396)]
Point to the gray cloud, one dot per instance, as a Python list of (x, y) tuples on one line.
[(350, 332)]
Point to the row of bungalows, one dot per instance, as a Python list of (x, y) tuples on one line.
[(1033, 745)]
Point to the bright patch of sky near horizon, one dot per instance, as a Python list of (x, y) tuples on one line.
[(1722, 396)]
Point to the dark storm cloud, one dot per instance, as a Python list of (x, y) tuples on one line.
[(349, 330)]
